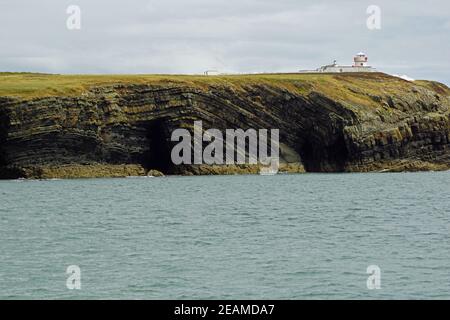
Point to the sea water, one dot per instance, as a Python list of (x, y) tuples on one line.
[(306, 236)]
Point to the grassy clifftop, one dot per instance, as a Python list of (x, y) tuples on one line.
[(347, 87)]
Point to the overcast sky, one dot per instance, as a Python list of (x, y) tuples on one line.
[(191, 36)]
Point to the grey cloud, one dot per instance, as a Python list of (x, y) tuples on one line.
[(190, 36)]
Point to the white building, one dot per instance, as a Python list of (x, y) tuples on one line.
[(360, 60), (360, 64)]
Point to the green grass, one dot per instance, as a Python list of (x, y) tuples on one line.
[(353, 88)]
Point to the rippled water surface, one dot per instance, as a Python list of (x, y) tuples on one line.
[(243, 237)]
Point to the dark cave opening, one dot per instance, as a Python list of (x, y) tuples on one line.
[(158, 155), (307, 154), (338, 155), (319, 157)]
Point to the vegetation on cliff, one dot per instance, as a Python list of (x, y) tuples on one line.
[(328, 122)]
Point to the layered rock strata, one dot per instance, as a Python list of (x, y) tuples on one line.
[(337, 123)]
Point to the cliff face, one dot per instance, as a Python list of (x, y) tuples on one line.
[(327, 123)]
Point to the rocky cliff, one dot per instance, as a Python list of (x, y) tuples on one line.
[(86, 126)]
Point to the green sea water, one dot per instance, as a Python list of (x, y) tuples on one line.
[(309, 236)]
